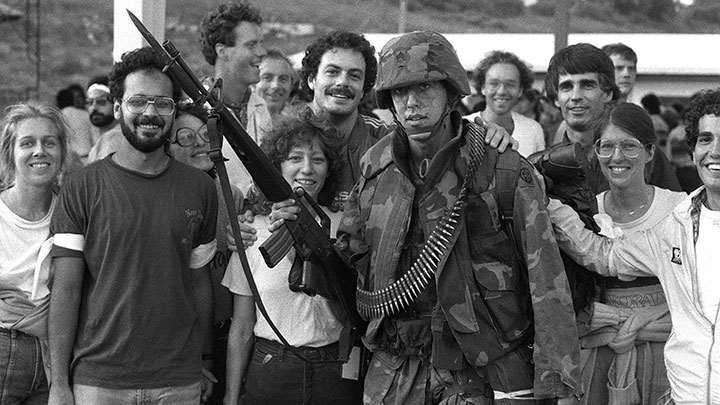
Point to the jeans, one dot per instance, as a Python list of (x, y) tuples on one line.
[(22, 376), (181, 395), (276, 376)]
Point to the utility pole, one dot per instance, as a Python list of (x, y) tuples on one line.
[(402, 17), (562, 23), (125, 36)]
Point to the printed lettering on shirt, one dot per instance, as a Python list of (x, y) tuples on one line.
[(193, 221), (339, 201), (676, 256)]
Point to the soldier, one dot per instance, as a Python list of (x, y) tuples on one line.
[(459, 273)]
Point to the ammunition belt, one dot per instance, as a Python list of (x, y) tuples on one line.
[(401, 293)]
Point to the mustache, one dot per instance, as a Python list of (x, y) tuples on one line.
[(153, 120), (340, 91), (98, 114), (275, 93)]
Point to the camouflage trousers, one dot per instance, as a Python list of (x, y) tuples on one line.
[(395, 380)]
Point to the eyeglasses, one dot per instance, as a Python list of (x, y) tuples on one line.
[(99, 101), (138, 104), (630, 148), (188, 137)]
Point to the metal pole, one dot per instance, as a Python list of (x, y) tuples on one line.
[(403, 16), (38, 52), (562, 23)]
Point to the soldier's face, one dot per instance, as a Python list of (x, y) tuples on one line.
[(419, 107), (581, 100), (502, 88), (706, 154), (338, 84)]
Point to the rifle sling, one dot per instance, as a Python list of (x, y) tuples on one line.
[(215, 155)]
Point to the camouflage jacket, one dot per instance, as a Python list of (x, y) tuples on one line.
[(375, 224)]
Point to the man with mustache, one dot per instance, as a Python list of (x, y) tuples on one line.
[(106, 131), (339, 69), (581, 82), (133, 233), (433, 200)]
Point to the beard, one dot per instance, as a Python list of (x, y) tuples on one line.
[(101, 120), (146, 145)]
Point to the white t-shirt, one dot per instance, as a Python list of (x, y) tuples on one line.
[(24, 248), (527, 132), (708, 256), (664, 202), (302, 320)]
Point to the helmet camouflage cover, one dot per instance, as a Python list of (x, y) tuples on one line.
[(418, 57)]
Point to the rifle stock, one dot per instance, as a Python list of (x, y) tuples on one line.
[(305, 231)]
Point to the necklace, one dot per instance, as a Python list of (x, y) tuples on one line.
[(626, 212)]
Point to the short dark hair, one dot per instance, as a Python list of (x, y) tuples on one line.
[(301, 131), (218, 27), (64, 98), (193, 109), (701, 104), (651, 103), (495, 57), (342, 40), (620, 49), (144, 59), (577, 59)]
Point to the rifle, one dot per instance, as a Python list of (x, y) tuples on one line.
[(334, 277)]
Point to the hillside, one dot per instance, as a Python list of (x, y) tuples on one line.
[(76, 35)]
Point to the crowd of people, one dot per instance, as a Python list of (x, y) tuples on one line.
[(509, 245)]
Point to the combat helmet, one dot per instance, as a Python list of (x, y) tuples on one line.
[(418, 57)]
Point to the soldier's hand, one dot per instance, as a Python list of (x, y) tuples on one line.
[(497, 137), (247, 231), (282, 211)]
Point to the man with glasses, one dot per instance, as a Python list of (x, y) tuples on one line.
[(502, 78), (133, 234)]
